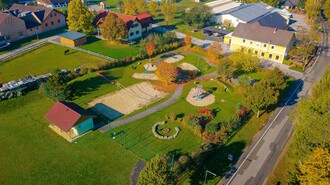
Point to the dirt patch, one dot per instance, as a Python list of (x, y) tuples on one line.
[(174, 58), (205, 98), (127, 100), (150, 67), (188, 67), (147, 76)]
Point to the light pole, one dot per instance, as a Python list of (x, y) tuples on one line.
[(206, 175)]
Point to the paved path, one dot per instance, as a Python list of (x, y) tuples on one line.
[(134, 177), (25, 48)]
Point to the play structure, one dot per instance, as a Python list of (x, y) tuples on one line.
[(126, 99), (102, 75), (199, 97)]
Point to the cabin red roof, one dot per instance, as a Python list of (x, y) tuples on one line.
[(65, 115)]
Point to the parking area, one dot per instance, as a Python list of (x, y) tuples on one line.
[(299, 21)]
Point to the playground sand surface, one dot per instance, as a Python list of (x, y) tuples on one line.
[(188, 67), (150, 67), (127, 100), (206, 98), (148, 76), (174, 58)]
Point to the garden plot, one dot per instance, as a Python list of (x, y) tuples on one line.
[(174, 58), (127, 100)]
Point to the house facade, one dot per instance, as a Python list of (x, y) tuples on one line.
[(54, 3), (137, 25), (267, 43), (69, 120), (22, 21)]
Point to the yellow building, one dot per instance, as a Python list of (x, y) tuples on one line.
[(268, 43)]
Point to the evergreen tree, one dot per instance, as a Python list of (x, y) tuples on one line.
[(57, 87), (79, 17), (156, 172), (113, 28)]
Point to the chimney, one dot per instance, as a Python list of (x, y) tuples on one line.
[(275, 30)]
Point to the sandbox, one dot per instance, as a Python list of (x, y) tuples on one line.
[(150, 67), (174, 58), (127, 100), (188, 67), (147, 76), (205, 98)]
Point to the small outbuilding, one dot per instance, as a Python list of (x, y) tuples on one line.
[(69, 120), (73, 38)]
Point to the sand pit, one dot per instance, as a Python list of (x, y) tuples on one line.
[(174, 58), (148, 76), (127, 100), (206, 98), (150, 67), (188, 67)]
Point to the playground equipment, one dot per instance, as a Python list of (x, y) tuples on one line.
[(102, 75)]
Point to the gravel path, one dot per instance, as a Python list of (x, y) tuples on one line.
[(136, 172)]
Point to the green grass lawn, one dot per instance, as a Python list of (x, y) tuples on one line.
[(31, 153), (118, 51), (43, 60), (32, 39)]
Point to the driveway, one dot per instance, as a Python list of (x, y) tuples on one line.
[(298, 21)]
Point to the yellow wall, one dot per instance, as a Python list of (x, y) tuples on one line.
[(72, 43), (264, 50)]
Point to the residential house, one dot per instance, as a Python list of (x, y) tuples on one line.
[(22, 21), (290, 4), (137, 25), (264, 42), (69, 119), (54, 3)]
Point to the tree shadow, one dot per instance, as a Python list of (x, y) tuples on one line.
[(83, 87), (216, 160)]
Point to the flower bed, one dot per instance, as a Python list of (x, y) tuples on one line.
[(156, 134)]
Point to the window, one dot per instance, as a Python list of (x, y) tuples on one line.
[(7, 37), (265, 45), (51, 15), (58, 21), (243, 40), (131, 34), (136, 25), (30, 29), (256, 52), (270, 56), (46, 24), (277, 57), (20, 33), (54, 14), (272, 47), (52, 23), (137, 32), (251, 42), (257, 43), (262, 54)]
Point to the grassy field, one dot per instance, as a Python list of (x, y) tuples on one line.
[(118, 51), (32, 39), (31, 153), (43, 60)]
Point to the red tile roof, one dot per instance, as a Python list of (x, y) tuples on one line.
[(128, 19), (65, 115)]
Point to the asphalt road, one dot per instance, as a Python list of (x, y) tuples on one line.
[(258, 160)]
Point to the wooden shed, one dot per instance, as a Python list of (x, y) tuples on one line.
[(73, 38)]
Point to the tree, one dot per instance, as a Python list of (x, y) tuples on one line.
[(167, 72), (56, 86), (153, 8), (226, 69), (168, 10), (199, 16), (276, 78), (313, 9), (316, 169), (260, 96), (214, 50), (244, 62), (79, 17), (113, 28), (244, 80), (150, 49), (326, 9), (156, 172), (187, 41), (133, 7)]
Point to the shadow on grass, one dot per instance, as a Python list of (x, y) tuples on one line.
[(92, 39), (86, 86), (216, 161)]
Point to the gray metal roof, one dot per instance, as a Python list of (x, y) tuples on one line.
[(250, 12), (72, 35), (273, 20)]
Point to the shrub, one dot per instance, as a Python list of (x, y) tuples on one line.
[(242, 112), (192, 122), (172, 117), (244, 80), (83, 71), (212, 128), (198, 130), (234, 121)]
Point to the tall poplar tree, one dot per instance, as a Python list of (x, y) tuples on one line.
[(79, 17)]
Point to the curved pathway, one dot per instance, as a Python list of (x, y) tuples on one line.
[(156, 108)]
